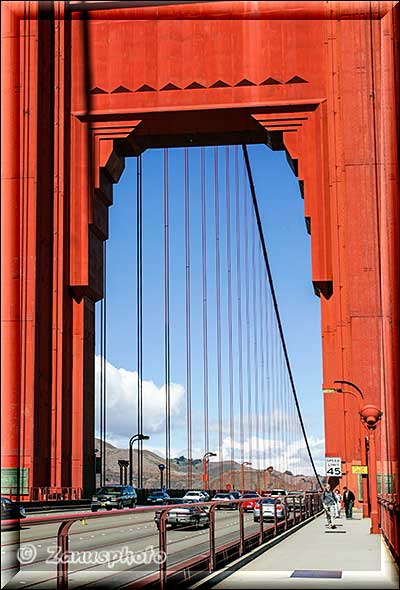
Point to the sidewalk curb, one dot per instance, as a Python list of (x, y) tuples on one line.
[(237, 564)]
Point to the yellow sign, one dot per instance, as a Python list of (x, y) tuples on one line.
[(363, 469)]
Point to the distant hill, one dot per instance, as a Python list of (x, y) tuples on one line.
[(151, 475)]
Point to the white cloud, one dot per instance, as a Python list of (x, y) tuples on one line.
[(122, 404), (279, 454), (122, 423)]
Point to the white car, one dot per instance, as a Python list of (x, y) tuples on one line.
[(196, 495), (277, 493)]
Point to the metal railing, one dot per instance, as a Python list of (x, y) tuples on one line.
[(389, 510), (42, 494), (207, 561)]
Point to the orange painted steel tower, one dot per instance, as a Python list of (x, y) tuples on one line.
[(87, 84)]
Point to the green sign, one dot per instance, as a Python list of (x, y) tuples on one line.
[(10, 483)]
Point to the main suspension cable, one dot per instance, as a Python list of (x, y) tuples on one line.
[(276, 308)]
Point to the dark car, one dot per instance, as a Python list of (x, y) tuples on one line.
[(114, 496), (11, 511), (295, 500), (158, 497), (190, 515), (236, 494)]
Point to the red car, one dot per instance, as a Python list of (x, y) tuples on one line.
[(250, 500)]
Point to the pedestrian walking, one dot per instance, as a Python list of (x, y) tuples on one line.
[(329, 504), (348, 501), (338, 497)]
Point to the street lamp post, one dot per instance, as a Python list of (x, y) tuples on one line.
[(132, 440), (243, 464), (370, 416), (270, 470), (205, 461)]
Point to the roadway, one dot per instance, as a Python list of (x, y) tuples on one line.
[(129, 534)]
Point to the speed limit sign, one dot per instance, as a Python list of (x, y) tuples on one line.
[(333, 466)]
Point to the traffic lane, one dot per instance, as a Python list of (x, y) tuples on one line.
[(182, 544), (116, 542), (49, 530), (198, 545), (87, 537)]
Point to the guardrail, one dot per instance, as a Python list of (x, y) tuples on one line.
[(41, 494), (389, 510), (207, 561)]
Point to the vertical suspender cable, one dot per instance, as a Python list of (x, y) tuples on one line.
[(139, 251), (166, 326), (104, 457), (239, 305), (276, 308), (188, 335), (280, 410), (218, 318), (204, 294), (262, 304), (268, 370), (248, 355), (229, 281), (255, 343), (101, 392)]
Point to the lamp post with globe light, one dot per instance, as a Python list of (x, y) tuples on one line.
[(370, 416)]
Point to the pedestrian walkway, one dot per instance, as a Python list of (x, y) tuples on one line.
[(316, 557)]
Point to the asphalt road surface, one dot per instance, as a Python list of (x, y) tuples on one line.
[(106, 553)]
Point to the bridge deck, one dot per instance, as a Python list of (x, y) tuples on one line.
[(350, 556)]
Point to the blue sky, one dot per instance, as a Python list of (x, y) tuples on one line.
[(281, 209)]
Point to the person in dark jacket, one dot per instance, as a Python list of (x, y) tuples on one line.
[(348, 501), (329, 504)]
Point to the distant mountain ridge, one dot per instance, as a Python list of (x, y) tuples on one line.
[(151, 474)]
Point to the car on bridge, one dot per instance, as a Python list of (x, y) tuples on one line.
[(114, 496), (190, 515), (237, 495), (228, 499), (11, 511), (293, 501), (158, 497), (198, 495), (250, 500), (278, 493), (268, 509)]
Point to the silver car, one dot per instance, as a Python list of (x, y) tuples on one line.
[(227, 501), (268, 509), (190, 515)]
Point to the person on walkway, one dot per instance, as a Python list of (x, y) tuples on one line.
[(329, 504), (338, 497), (348, 501)]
